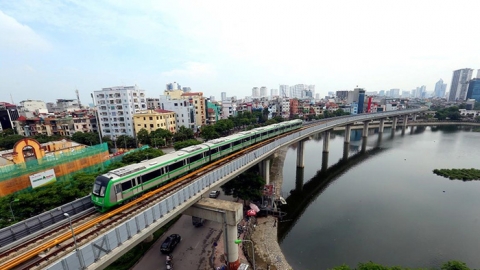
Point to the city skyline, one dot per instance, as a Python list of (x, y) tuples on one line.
[(52, 49)]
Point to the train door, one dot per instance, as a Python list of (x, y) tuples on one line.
[(118, 192)]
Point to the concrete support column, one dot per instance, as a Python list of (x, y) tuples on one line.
[(382, 125), (232, 256), (300, 148), (266, 170), (405, 120), (324, 161), (365, 128), (414, 117), (348, 132), (379, 139), (326, 141), (364, 144), (412, 129), (299, 179), (394, 123), (346, 150)]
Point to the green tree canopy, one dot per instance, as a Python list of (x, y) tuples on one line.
[(141, 155), (208, 133), (143, 136), (187, 143), (87, 138), (183, 134), (246, 186)]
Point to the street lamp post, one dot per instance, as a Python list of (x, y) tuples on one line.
[(71, 228), (238, 241), (11, 210)]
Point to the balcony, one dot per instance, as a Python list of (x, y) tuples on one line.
[(100, 96)]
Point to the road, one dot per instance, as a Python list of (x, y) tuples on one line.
[(194, 251)]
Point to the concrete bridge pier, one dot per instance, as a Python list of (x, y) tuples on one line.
[(364, 144), (365, 128), (379, 139), (326, 141), (265, 170), (414, 117), (348, 133), (299, 178), (346, 148), (229, 214), (300, 149), (394, 123), (382, 125), (405, 120), (324, 161), (412, 129)]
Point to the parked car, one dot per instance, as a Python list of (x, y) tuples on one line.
[(197, 222), (170, 243), (214, 193)]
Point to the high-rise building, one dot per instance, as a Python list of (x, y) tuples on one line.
[(116, 107), (274, 92), (440, 89), (284, 90), (342, 94), (8, 114), (223, 96), (255, 92), (393, 93), (297, 91), (263, 91), (173, 86), (33, 105), (459, 86), (361, 98), (474, 89)]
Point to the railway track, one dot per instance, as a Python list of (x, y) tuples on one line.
[(35, 253)]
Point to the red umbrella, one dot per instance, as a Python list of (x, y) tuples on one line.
[(251, 213)]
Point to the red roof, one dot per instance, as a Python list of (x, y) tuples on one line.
[(163, 111), (21, 118)]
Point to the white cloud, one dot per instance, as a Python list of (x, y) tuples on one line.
[(19, 37)]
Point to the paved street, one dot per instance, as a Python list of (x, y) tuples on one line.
[(194, 251)]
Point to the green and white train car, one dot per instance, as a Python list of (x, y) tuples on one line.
[(123, 184)]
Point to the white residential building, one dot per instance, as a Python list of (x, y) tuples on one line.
[(285, 107), (67, 105), (263, 91), (33, 105), (274, 93), (284, 90), (297, 91), (116, 107), (229, 108), (184, 111), (255, 92)]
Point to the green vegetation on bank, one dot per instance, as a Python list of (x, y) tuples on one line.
[(450, 265), (460, 174), (129, 259)]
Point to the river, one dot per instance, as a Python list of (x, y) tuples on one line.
[(388, 207)]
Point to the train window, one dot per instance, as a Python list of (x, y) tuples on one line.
[(154, 174), (196, 157), (235, 143), (175, 166), (224, 147), (96, 188), (263, 134), (102, 191), (134, 183), (126, 185), (213, 150), (118, 188)]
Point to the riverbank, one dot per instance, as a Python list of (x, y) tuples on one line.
[(268, 254)]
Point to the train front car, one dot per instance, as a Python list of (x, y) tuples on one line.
[(99, 193)]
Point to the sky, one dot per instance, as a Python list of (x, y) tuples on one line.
[(48, 49)]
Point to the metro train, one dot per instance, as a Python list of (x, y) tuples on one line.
[(123, 184)]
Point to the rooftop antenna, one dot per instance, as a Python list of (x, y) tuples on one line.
[(78, 99), (11, 98)]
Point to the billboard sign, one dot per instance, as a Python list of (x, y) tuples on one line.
[(43, 178)]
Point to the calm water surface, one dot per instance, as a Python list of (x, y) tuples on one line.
[(391, 208)]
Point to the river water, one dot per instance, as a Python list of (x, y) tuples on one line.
[(388, 207)]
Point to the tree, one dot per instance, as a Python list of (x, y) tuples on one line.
[(141, 155), (454, 265), (161, 133), (7, 132), (87, 138), (187, 143), (143, 136), (208, 133), (246, 186), (125, 141), (183, 134), (8, 142)]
